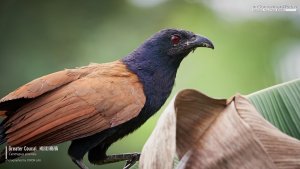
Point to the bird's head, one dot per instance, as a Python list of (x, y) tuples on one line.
[(157, 60), (166, 48), (176, 43)]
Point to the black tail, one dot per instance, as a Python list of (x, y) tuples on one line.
[(2, 140), (2, 156), (2, 134)]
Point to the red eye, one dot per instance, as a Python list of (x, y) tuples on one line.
[(175, 39)]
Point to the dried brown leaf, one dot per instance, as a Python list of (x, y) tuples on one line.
[(160, 149), (218, 134)]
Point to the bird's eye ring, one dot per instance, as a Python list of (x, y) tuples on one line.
[(175, 39)]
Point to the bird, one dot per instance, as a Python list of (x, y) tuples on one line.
[(96, 105)]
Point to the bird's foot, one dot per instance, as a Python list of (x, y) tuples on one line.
[(134, 158), (130, 158)]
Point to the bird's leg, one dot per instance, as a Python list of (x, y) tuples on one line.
[(80, 164), (131, 159)]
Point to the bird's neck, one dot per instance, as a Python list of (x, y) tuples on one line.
[(157, 74)]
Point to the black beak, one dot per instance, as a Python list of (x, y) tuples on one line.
[(200, 41)]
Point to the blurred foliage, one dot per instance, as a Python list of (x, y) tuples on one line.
[(40, 37)]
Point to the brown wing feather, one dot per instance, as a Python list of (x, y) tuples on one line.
[(2, 113), (107, 97), (40, 86)]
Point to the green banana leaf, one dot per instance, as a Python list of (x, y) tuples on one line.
[(280, 105)]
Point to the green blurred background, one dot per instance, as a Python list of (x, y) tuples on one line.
[(253, 50)]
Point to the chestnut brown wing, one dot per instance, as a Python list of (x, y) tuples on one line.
[(109, 96), (40, 86)]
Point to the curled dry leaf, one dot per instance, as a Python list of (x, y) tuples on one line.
[(160, 148), (218, 134)]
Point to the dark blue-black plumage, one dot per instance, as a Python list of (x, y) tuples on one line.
[(156, 69)]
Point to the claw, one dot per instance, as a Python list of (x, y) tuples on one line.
[(132, 161), (80, 164)]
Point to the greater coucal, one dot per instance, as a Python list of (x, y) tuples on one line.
[(95, 105)]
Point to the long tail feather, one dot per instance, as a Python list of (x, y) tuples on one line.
[(2, 156), (2, 134)]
